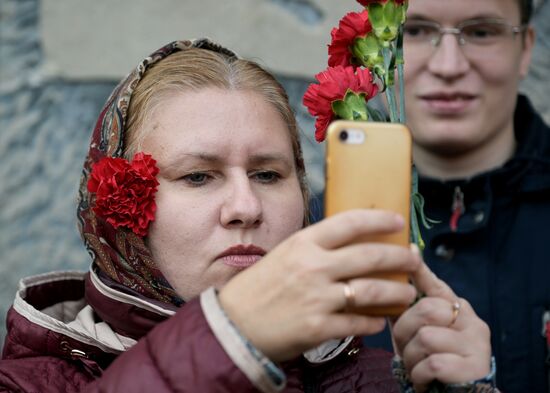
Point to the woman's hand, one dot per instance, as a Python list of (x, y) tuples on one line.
[(294, 298), (441, 337)]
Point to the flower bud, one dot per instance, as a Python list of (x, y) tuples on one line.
[(352, 107), (368, 51), (386, 18)]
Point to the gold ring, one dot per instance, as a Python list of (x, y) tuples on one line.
[(456, 311), (349, 295)]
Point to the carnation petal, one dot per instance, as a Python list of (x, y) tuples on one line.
[(333, 84), (124, 192)]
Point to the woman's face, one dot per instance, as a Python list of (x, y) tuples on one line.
[(229, 191)]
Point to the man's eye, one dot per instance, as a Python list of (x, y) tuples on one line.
[(483, 31), (266, 176), (196, 179), (414, 30)]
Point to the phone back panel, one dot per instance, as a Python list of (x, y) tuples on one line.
[(372, 174)]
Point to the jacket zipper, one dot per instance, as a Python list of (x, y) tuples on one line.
[(457, 208)]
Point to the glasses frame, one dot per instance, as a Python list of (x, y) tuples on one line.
[(458, 30)]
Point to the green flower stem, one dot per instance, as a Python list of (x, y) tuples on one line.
[(400, 62), (390, 95), (415, 230), (417, 213), (394, 61), (416, 238), (389, 65), (402, 115)]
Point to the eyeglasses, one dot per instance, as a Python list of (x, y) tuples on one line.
[(475, 32)]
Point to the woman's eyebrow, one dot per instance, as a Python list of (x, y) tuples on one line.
[(254, 160), (259, 159), (182, 158)]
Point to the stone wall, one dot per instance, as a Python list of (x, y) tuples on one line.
[(45, 124)]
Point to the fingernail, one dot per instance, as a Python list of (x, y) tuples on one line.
[(399, 220), (414, 248)]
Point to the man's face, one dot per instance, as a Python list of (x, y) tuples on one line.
[(459, 98)]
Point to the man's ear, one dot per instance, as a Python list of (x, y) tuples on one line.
[(526, 51)]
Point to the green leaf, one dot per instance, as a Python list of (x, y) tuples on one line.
[(386, 19), (357, 104), (368, 51), (416, 237), (389, 63), (391, 12), (341, 110), (376, 14), (418, 201), (352, 107)]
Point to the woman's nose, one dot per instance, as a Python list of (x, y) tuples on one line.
[(242, 207)]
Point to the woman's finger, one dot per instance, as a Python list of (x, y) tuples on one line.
[(427, 311), (449, 368), (430, 340), (362, 259), (371, 292), (428, 283), (345, 227), (344, 325), (356, 295)]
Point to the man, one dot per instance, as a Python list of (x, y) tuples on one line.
[(483, 156)]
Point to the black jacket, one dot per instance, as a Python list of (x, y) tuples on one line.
[(498, 258)]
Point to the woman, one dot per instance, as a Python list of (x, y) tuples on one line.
[(193, 286)]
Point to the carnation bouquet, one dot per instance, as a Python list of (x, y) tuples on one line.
[(365, 54)]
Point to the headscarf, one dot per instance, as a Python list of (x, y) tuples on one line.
[(120, 257)]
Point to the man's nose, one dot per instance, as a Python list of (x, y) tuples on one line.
[(448, 60)]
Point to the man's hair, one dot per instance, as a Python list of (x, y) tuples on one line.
[(525, 10)]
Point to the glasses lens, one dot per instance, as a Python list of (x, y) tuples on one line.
[(420, 32), (485, 32)]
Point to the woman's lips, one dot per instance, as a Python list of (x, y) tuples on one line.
[(241, 261), (241, 256)]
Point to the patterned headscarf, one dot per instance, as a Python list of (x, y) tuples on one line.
[(118, 253)]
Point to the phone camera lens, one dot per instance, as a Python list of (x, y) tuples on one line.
[(344, 136)]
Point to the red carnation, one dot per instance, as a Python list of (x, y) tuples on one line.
[(125, 191), (351, 26), (333, 85)]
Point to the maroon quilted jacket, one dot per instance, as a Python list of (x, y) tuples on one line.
[(71, 332)]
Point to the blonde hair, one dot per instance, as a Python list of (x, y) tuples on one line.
[(195, 69)]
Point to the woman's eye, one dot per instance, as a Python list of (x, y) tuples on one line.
[(196, 179), (266, 176)]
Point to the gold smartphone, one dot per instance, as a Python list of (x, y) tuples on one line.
[(368, 165)]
